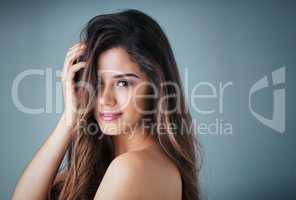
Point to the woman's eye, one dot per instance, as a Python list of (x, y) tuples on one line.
[(123, 83)]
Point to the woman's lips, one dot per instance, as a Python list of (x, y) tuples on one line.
[(109, 116)]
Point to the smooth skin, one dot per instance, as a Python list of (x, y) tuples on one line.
[(140, 169)]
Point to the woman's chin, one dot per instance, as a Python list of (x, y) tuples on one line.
[(110, 133), (110, 129)]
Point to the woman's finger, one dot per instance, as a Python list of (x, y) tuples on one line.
[(78, 66), (77, 44), (70, 52), (75, 56), (76, 51), (75, 68)]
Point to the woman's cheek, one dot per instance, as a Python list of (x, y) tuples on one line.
[(124, 99), (130, 104)]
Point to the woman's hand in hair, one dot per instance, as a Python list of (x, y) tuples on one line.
[(42, 170), (70, 68)]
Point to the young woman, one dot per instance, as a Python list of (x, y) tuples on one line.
[(126, 128)]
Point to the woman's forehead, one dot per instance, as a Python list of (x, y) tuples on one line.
[(116, 61)]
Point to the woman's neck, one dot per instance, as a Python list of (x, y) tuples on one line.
[(132, 142)]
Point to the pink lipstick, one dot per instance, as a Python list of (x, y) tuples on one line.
[(108, 116)]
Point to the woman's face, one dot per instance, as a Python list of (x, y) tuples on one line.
[(120, 100)]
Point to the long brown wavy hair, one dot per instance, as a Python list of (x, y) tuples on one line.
[(89, 155)]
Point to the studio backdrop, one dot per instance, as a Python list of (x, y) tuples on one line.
[(237, 60)]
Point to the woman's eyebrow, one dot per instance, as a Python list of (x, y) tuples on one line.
[(125, 75)]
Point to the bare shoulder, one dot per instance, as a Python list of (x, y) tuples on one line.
[(140, 175)]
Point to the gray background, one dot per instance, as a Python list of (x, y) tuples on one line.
[(216, 41)]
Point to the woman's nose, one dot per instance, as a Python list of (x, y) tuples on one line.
[(106, 97)]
